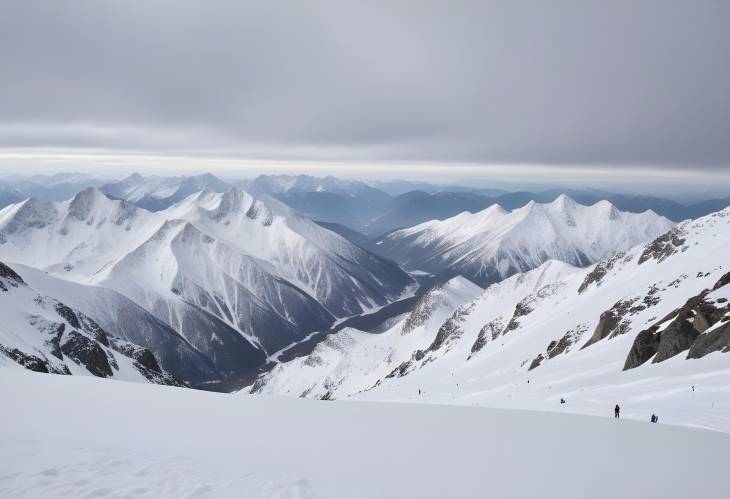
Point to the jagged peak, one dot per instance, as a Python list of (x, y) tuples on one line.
[(232, 201)]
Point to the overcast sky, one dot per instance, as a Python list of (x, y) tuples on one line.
[(563, 88)]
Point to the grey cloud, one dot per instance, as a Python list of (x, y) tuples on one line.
[(568, 82)]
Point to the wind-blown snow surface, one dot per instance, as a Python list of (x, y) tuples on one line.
[(557, 332), (116, 439), (235, 276), (493, 244)]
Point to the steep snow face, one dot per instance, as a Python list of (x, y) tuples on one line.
[(493, 244), (127, 440), (557, 332), (346, 279), (42, 334), (233, 275)]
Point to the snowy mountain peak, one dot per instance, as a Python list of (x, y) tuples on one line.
[(84, 202), (233, 200), (493, 244)]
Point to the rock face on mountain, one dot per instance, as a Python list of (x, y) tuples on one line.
[(701, 326), (233, 276), (42, 334), (494, 244)]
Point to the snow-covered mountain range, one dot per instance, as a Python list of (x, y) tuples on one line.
[(493, 244), (649, 327), (236, 277)]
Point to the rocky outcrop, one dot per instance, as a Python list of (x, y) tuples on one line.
[(451, 329), (596, 275), (700, 326), (715, 340), (644, 348), (664, 246), (536, 362), (614, 321), (560, 346), (88, 353), (33, 362), (490, 331), (9, 278)]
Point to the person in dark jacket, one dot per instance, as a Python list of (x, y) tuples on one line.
[(616, 411), (654, 418)]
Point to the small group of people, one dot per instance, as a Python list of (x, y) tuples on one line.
[(617, 413)]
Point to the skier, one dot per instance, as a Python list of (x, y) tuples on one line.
[(562, 400), (654, 418), (419, 391), (616, 411)]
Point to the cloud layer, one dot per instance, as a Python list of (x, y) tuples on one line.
[(560, 83)]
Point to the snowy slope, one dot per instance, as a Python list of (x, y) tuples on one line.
[(493, 244), (233, 275), (115, 439), (620, 331), (43, 334), (352, 361)]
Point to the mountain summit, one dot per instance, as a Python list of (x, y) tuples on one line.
[(492, 244)]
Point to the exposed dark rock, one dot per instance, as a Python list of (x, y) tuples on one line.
[(536, 362), (716, 340), (490, 330), (683, 329), (55, 341), (451, 329), (141, 355), (68, 314), (663, 246), (401, 370), (33, 362), (676, 338), (599, 272), (10, 277), (28, 361), (86, 352), (608, 322), (723, 281), (613, 322), (566, 342), (521, 309), (644, 348)]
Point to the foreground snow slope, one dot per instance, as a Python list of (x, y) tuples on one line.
[(116, 439)]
